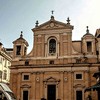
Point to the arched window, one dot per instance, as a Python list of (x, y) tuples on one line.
[(52, 46)]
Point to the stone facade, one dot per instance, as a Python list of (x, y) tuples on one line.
[(5, 63), (57, 68)]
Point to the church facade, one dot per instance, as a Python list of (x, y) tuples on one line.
[(57, 68)]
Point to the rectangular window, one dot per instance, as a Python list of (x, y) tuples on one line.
[(18, 50), (25, 95), (78, 76), (51, 62), (79, 95), (26, 77), (89, 46), (26, 63)]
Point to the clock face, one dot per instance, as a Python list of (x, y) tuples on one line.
[(51, 24)]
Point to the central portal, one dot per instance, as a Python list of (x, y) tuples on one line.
[(51, 92)]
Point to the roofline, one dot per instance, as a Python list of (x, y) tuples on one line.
[(37, 28)]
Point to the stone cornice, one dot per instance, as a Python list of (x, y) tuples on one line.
[(5, 55)]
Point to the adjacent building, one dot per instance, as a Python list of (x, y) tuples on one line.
[(57, 68), (96, 86), (5, 63)]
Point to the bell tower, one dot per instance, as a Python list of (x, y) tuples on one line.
[(88, 43), (20, 47)]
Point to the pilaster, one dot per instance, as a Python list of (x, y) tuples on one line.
[(19, 85), (33, 92), (62, 85), (41, 85)]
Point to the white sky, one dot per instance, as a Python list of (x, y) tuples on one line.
[(21, 15)]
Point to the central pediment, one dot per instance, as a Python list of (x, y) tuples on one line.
[(52, 24)]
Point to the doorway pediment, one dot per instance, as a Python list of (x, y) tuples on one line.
[(25, 86), (51, 79)]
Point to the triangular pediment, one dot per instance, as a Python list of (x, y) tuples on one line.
[(51, 79), (53, 24), (25, 86), (79, 86)]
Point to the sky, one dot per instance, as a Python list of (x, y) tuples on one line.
[(21, 15)]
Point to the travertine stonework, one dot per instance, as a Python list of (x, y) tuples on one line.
[(56, 63)]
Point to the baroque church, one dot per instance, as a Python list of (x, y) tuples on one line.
[(57, 68)]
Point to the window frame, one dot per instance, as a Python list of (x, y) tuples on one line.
[(26, 63), (24, 76), (55, 53), (76, 77), (18, 50), (51, 62), (53, 43), (89, 46)]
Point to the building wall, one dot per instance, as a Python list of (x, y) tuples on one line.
[(63, 77), (5, 63), (69, 67)]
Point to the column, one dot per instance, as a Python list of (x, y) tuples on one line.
[(11, 81), (66, 85), (87, 81), (46, 50), (62, 83), (33, 86), (58, 49), (45, 92), (72, 84), (57, 85), (41, 85), (69, 85), (19, 86)]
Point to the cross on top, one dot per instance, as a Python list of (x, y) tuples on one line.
[(36, 23), (52, 17), (52, 12), (21, 35), (87, 29)]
